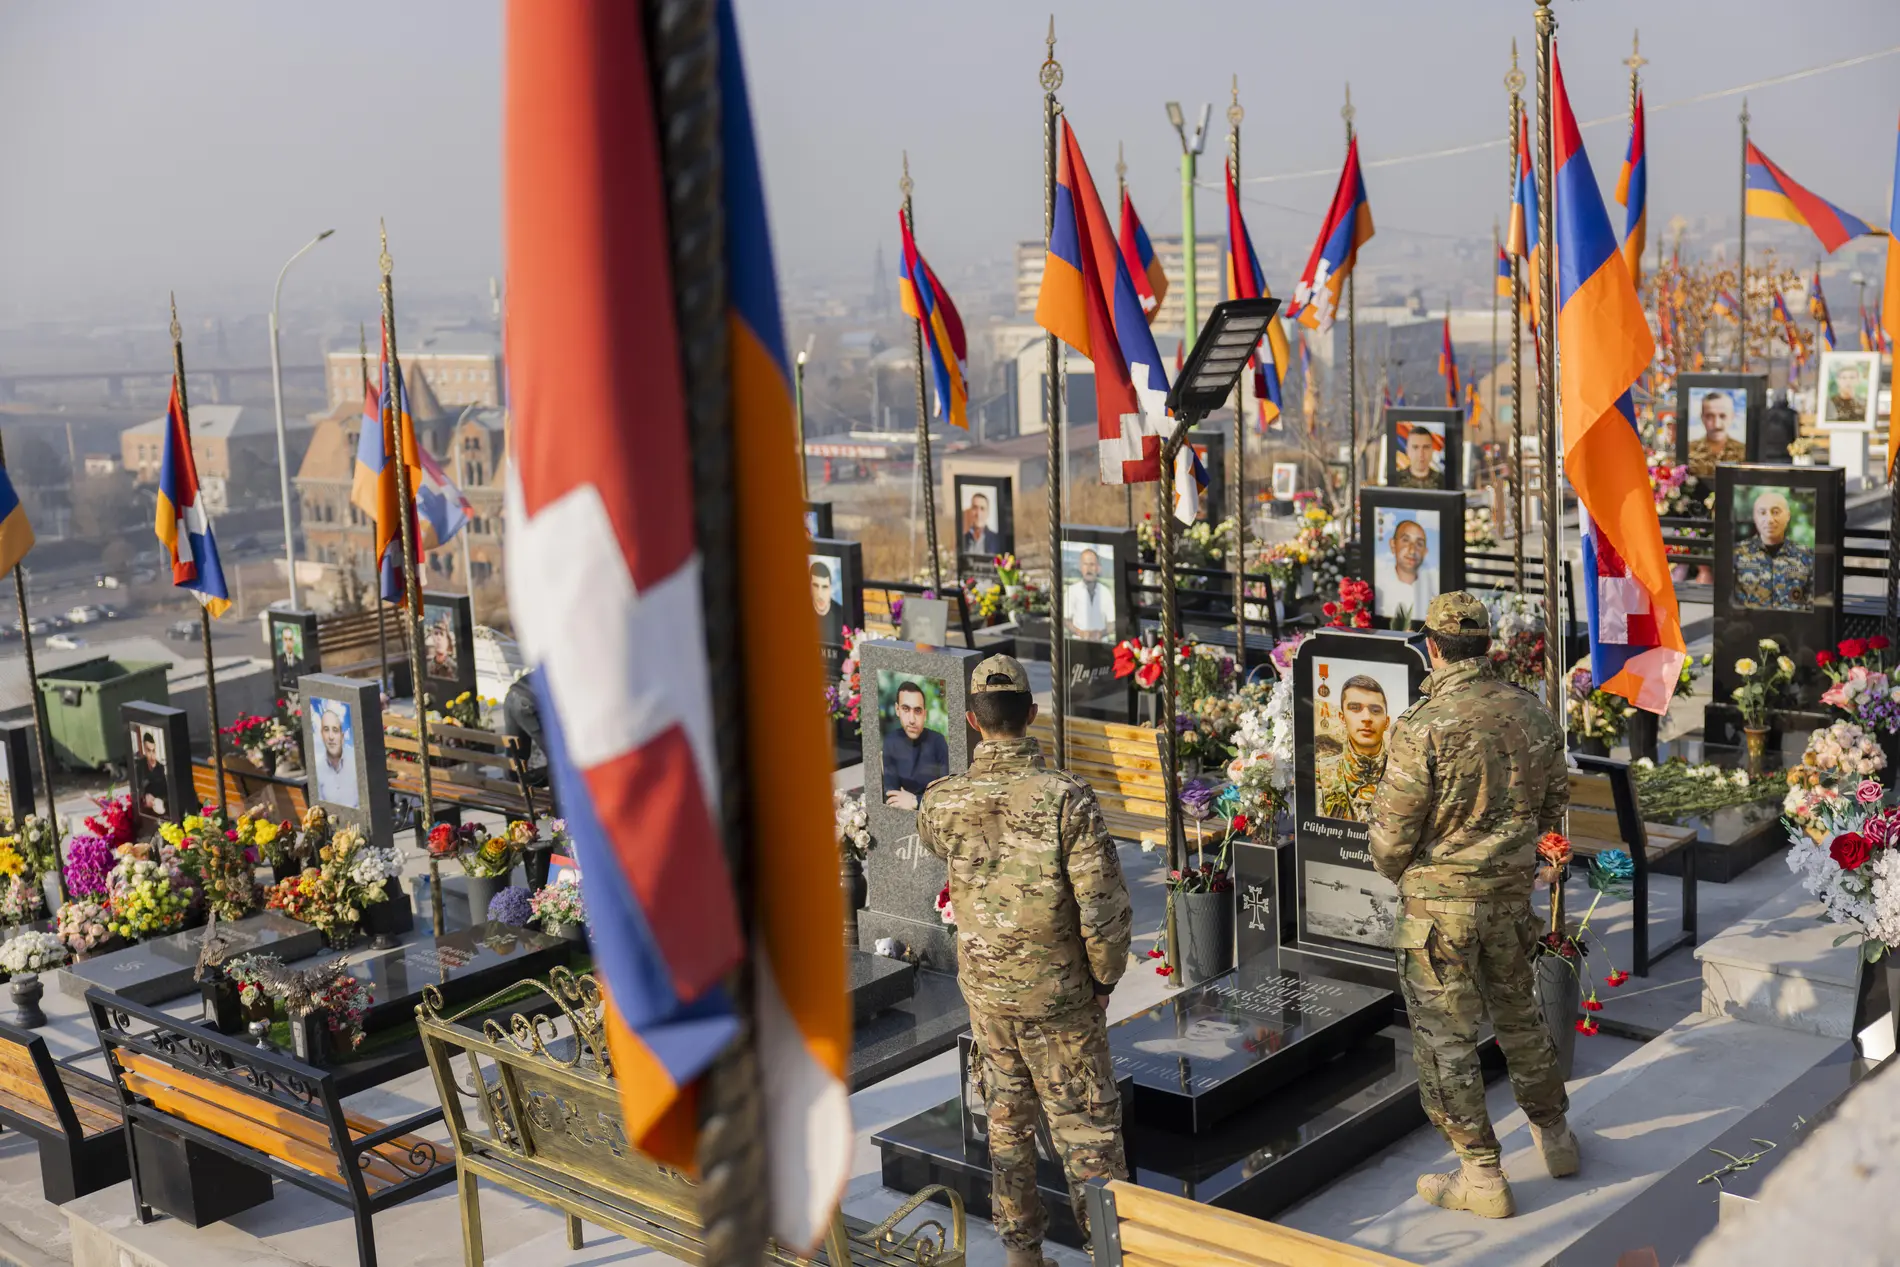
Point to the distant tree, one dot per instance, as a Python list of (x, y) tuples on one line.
[(104, 506), (31, 460)]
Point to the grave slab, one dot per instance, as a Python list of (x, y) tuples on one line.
[(163, 968), (461, 965), (1780, 967), (910, 1032), (877, 983)]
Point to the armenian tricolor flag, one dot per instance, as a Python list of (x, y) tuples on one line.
[(1636, 645), (929, 305), (1522, 240), (1632, 191), (1245, 280), (1817, 305), (601, 521), (1138, 254), (373, 488), (1724, 305), (1089, 301), (1890, 289), (16, 534), (1788, 333), (1448, 365), (182, 525), (1347, 227), (1504, 272), (1775, 195)]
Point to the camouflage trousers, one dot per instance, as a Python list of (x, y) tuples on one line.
[(1459, 963), (1058, 1070)]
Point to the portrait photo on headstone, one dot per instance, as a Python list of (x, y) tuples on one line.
[(1407, 566), (979, 524), (151, 791), (1774, 547), (1354, 705), (915, 726), (1850, 386), (1715, 420), (1286, 480), (818, 519), (1088, 596), (158, 762), (1424, 448), (332, 738), (442, 653), (827, 596)]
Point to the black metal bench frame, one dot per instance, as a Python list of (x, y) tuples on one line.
[(72, 1163), (1629, 822)]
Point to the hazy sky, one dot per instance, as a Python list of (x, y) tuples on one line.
[(195, 144)]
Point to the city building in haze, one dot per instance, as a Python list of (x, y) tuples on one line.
[(235, 447)]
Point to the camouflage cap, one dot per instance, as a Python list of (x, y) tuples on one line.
[(1458, 612), (983, 680)]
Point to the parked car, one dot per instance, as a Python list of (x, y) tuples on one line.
[(37, 627), (86, 613), (65, 642), (104, 582), (182, 630)]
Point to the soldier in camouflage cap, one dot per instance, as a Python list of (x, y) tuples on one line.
[(1043, 922), (1474, 774)]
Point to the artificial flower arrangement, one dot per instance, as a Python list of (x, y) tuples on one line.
[(1679, 493), (1862, 683), (343, 1000), (32, 952), (465, 710), (1844, 752), (1261, 772), (1353, 608), (350, 874), (1479, 534), (221, 856), (1594, 713), (247, 972), (84, 924), (264, 741), (559, 905), (842, 696), (22, 900), (1145, 662), (1318, 547), (853, 822), (1852, 866), (1762, 682), (89, 861), (39, 844), (512, 906), (481, 855), (1197, 545), (1609, 872), (115, 823), (302, 845), (945, 911), (1813, 803), (146, 896), (1517, 638)]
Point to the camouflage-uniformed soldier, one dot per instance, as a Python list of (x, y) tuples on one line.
[(1474, 774), (1043, 923), (1704, 454), (1772, 571)]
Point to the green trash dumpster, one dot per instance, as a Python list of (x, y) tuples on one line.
[(82, 707)]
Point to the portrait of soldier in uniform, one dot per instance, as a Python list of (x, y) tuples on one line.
[(1405, 574), (1847, 392), (1718, 431), (1774, 548), (1421, 463), (1345, 781)]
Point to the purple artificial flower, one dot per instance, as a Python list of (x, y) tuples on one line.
[(511, 906), (88, 859), (1197, 798)]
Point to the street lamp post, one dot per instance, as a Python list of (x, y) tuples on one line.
[(277, 390), (1191, 147)]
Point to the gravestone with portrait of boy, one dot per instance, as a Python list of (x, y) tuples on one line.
[(913, 716), (1424, 448), (16, 771), (1413, 550), (835, 574), (986, 522), (346, 769), (1718, 419), (158, 767), (448, 648), (294, 647), (1778, 532)]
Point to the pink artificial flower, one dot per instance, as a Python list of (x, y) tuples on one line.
[(1869, 792)]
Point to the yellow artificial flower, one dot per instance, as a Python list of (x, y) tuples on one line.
[(1746, 667), (194, 822), (172, 833), (11, 863), (1785, 664), (263, 831)]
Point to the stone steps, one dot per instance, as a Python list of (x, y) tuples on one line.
[(1779, 967)]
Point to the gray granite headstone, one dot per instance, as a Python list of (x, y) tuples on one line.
[(163, 968), (904, 877), (346, 714)]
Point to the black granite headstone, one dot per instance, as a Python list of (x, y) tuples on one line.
[(162, 969), (462, 965), (1264, 878), (1212, 1050), (878, 983)]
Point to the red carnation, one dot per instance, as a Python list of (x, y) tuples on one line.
[(1330, 609), (1852, 648), (1362, 621), (1878, 643), (1824, 658), (1591, 1004), (1155, 953), (1164, 971), (1586, 1025), (1850, 849), (1616, 978)]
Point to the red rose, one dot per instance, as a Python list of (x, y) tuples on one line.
[(1878, 643), (1330, 609), (1240, 824), (1850, 849), (1852, 648), (1824, 658)]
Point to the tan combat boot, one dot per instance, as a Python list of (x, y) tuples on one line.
[(1482, 1190), (1558, 1144)]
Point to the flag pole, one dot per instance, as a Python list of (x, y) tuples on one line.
[(1239, 498), (926, 469), (1514, 84), (1547, 381), (382, 628), (1346, 112), (1050, 76), (1121, 192), (1741, 268), (1497, 248), (204, 613), (33, 685), (412, 593)]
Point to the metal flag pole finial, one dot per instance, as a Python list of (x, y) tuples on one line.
[(1636, 61), (1346, 111), (1051, 76), (904, 185), (1514, 78), (1121, 166), (383, 263), (1234, 112), (178, 331)]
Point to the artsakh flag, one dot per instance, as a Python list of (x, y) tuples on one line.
[(1890, 293), (1347, 227), (605, 575), (1504, 273), (1636, 644), (1448, 366), (1138, 254), (1632, 191), (1774, 195), (926, 302), (1817, 305), (374, 489), (182, 524), (1245, 280), (1089, 301)]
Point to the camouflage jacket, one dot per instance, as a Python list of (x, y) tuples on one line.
[(1778, 579), (1474, 774), (1042, 912)]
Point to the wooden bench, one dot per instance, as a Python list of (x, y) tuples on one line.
[(550, 1128), (184, 1087), (1139, 1227), (471, 768), (74, 1116), (1122, 763), (246, 787), (1605, 814)]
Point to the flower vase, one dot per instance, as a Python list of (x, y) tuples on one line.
[(1206, 924), (857, 891), (1877, 1008), (535, 864), (1559, 999), (385, 920), (1643, 728), (1590, 746), (221, 1010), (310, 1036), (288, 869), (481, 891), (27, 990), (55, 886), (1757, 741)]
